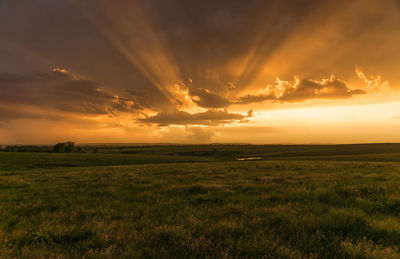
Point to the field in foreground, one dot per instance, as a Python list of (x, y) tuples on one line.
[(277, 208)]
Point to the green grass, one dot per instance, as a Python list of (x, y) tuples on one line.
[(126, 155), (231, 151), (78, 205), (27, 160)]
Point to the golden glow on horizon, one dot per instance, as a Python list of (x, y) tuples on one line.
[(337, 115), (338, 124)]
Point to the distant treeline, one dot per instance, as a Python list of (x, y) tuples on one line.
[(63, 147), (229, 152)]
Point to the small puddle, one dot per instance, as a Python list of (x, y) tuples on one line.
[(248, 158)]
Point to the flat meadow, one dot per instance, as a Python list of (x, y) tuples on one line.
[(200, 202)]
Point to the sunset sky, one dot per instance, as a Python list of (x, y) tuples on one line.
[(180, 71)]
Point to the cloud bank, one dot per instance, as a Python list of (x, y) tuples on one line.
[(301, 90), (42, 95), (209, 117), (61, 91)]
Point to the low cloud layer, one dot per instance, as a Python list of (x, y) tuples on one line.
[(296, 90), (61, 91), (209, 117), (50, 94), (207, 99)]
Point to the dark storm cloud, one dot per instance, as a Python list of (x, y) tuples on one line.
[(61, 91), (206, 99), (202, 36), (46, 33), (210, 117), (301, 90)]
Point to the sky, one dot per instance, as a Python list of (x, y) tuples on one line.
[(178, 71)]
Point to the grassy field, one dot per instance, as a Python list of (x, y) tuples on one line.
[(24, 160), (164, 202)]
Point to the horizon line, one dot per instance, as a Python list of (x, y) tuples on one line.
[(204, 144)]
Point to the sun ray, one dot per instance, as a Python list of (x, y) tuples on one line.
[(129, 27)]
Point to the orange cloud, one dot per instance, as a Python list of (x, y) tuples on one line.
[(300, 90), (373, 83)]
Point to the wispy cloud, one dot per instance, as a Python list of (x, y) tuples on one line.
[(373, 83)]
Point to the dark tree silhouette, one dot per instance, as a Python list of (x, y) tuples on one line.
[(69, 146), (65, 147), (59, 148)]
